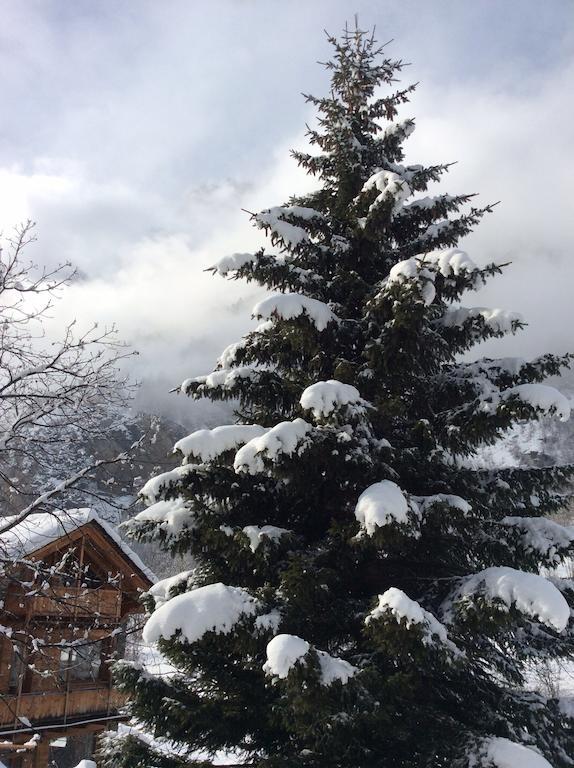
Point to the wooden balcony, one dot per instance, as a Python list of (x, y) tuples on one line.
[(61, 707), (66, 602)]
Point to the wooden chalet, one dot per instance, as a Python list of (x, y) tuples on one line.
[(69, 588)]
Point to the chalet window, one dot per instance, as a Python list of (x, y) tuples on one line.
[(16, 670), (82, 662)]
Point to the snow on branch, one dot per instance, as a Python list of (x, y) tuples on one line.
[(166, 481), (232, 263), (546, 400), (423, 269), (400, 129), (213, 608), (390, 186), (43, 502), (500, 321), (162, 590), (172, 516), (497, 752), (529, 593), (541, 536), (290, 305), (257, 535), (284, 439), (382, 504), (284, 652), (225, 378), (54, 390), (325, 397), (207, 444), (447, 499), (292, 235), (394, 602)]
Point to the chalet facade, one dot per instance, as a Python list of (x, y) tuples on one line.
[(69, 588)]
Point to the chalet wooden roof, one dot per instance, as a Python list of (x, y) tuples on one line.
[(39, 535)]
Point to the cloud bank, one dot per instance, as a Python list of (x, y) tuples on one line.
[(135, 139)]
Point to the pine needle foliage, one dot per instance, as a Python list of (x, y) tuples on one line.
[(386, 584)]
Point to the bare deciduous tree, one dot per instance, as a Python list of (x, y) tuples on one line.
[(55, 393)]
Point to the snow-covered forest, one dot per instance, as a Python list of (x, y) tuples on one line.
[(347, 535)]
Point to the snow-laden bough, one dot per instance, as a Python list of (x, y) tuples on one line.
[(529, 593), (285, 651), (213, 608)]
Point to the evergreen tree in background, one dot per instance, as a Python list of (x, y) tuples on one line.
[(367, 594)]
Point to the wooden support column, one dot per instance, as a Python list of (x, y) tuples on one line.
[(41, 754)]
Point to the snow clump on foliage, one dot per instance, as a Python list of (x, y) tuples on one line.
[(213, 608), (396, 603), (285, 651), (503, 753), (324, 397), (290, 305), (284, 438), (208, 444), (527, 592), (380, 504)]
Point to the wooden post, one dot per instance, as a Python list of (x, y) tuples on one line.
[(41, 754)]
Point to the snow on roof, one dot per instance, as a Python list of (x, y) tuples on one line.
[(40, 529)]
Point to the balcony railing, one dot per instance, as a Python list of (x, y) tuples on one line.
[(66, 601), (60, 706)]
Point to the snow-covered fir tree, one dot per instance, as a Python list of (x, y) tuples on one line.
[(364, 595)]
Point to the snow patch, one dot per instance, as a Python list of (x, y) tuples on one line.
[(172, 515), (503, 753), (207, 444), (284, 651), (285, 438), (213, 608), (381, 504), (232, 263), (257, 534), (540, 535), (290, 305), (324, 397), (395, 602), (541, 397), (527, 592), (498, 320)]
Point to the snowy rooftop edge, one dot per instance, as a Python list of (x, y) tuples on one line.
[(42, 528)]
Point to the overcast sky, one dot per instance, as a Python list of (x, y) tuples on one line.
[(134, 133)]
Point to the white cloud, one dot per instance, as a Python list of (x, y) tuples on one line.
[(135, 143)]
